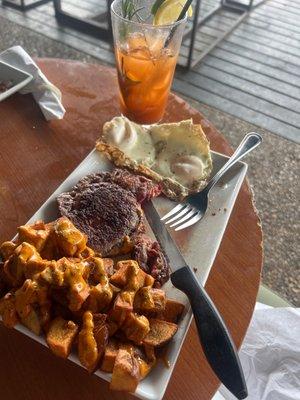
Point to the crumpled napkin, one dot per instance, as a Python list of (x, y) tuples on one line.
[(270, 355), (44, 92)]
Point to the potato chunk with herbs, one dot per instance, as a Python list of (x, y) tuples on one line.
[(68, 238), (136, 327), (8, 310), (172, 312), (24, 258), (160, 332), (60, 336), (92, 340), (146, 359), (148, 299), (130, 275), (126, 372), (110, 354), (32, 305), (7, 249), (36, 234)]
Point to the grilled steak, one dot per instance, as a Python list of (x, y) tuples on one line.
[(107, 213), (151, 259), (141, 187), (106, 207)]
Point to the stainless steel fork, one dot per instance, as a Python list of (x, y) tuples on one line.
[(194, 206)]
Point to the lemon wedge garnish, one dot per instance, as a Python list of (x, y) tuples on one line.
[(169, 11), (132, 78)]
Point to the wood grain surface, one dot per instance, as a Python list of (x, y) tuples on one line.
[(35, 157)]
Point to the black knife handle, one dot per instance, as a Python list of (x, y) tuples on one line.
[(216, 342)]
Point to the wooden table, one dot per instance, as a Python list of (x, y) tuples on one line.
[(35, 157)]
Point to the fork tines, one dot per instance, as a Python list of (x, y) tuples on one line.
[(180, 214)]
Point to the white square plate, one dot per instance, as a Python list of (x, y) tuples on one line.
[(200, 242), (18, 78)]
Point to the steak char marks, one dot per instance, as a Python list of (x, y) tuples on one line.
[(106, 207)]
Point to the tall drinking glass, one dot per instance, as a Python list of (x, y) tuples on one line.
[(146, 57)]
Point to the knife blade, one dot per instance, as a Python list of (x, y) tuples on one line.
[(215, 338)]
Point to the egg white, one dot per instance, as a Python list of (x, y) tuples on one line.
[(131, 138)]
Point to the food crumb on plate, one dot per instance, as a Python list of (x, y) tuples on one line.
[(5, 85)]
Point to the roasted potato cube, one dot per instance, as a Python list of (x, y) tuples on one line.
[(121, 276), (145, 363), (25, 297), (44, 305), (148, 299), (110, 354), (60, 310), (100, 332), (7, 249), (50, 250), (123, 305), (99, 298), (32, 321), (150, 352), (124, 300), (79, 289), (54, 273), (172, 312), (77, 296), (14, 267), (34, 266), (94, 271), (160, 332), (36, 235), (130, 275), (109, 266), (126, 372), (60, 336), (148, 280), (68, 238), (145, 368), (92, 340), (32, 305), (115, 290), (8, 310), (136, 327), (87, 252), (112, 326)]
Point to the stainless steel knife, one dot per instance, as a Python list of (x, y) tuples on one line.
[(215, 339)]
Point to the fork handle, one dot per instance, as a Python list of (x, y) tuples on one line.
[(216, 342), (250, 141)]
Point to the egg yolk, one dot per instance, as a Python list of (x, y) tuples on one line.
[(187, 168)]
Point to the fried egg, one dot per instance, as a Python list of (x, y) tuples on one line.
[(177, 154)]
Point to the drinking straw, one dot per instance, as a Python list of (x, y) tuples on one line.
[(181, 15)]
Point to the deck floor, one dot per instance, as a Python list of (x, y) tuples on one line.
[(254, 74)]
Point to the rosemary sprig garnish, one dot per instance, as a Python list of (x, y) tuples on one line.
[(129, 9)]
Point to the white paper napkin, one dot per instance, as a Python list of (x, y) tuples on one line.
[(44, 92), (270, 355)]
